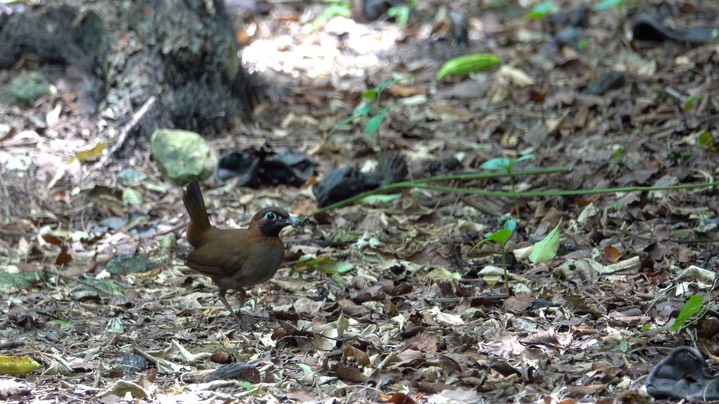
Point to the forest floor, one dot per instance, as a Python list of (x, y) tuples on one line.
[(389, 299)]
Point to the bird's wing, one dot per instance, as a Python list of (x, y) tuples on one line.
[(220, 257)]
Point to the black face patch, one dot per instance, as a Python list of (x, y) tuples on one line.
[(272, 221)]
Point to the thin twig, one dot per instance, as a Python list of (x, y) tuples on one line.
[(120, 141), (5, 198), (11, 344), (174, 229), (495, 296), (83, 282)]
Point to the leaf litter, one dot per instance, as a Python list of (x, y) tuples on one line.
[(384, 300)]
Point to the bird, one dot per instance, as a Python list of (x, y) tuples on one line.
[(235, 258)]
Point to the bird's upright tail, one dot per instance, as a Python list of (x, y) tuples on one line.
[(195, 205)]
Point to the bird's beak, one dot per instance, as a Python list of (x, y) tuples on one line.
[(297, 221)]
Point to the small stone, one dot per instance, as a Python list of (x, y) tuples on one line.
[(182, 155)]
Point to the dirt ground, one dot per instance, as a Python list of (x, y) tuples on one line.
[(389, 299)]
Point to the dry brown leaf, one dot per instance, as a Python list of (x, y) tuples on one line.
[(612, 253), (406, 91)]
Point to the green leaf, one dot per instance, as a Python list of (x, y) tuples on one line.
[(306, 369), (114, 326), (380, 198), (690, 101), (584, 43), (605, 4), (335, 9), (522, 158), (374, 122), (546, 249), (466, 64), (326, 266), (65, 325), (504, 164), (400, 13), (362, 110), (706, 140), (618, 154), (131, 197), (541, 10), (500, 236), (371, 94), (344, 267), (441, 274), (691, 307), (510, 224), (17, 365), (108, 286), (130, 177), (344, 234), (624, 346), (499, 164)]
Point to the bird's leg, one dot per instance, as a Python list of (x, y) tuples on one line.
[(227, 305)]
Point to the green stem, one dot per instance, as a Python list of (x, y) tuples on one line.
[(516, 200), (494, 174), (382, 162), (526, 194), (504, 265), (552, 192)]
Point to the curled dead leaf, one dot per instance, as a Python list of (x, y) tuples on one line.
[(397, 398), (359, 355), (612, 253), (515, 76)]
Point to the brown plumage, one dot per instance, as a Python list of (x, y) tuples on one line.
[(235, 258)]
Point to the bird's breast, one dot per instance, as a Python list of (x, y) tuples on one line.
[(262, 263)]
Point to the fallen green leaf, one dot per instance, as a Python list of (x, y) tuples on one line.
[(466, 64), (546, 249), (692, 306), (17, 365), (441, 274), (65, 325), (706, 140), (325, 265), (386, 198), (131, 197)]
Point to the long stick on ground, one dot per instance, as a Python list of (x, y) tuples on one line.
[(126, 130)]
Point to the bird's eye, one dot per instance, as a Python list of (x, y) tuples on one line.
[(270, 216)]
